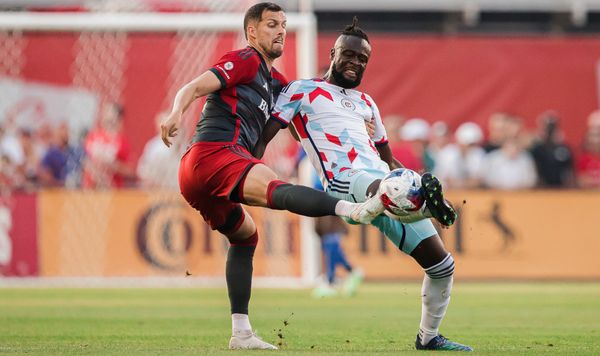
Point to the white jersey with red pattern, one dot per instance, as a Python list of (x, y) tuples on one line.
[(330, 122)]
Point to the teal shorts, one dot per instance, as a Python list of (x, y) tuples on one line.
[(351, 185)]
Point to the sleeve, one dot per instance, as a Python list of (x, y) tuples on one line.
[(288, 104), (380, 135), (236, 67)]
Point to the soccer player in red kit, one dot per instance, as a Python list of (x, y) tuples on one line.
[(218, 172)]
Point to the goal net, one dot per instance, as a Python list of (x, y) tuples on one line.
[(117, 211)]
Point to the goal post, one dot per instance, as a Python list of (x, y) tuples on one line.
[(304, 24)]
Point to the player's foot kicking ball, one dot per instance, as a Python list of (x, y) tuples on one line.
[(440, 343), (368, 210), (249, 340), (434, 199)]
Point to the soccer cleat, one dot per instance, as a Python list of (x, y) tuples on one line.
[(248, 340), (365, 212), (435, 202), (440, 343)]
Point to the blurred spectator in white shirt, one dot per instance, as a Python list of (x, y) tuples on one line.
[(158, 166), (496, 131), (10, 147), (458, 165), (412, 151), (439, 137), (510, 167)]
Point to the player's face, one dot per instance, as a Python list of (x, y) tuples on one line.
[(349, 60), (270, 33)]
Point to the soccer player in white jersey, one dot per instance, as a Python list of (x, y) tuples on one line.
[(328, 116)]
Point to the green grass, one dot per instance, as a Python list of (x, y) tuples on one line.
[(508, 318)]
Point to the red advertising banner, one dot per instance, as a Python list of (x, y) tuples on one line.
[(18, 235)]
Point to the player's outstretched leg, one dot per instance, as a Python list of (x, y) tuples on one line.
[(310, 202), (434, 199), (440, 343)]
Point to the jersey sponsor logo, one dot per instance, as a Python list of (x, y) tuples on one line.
[(347, 104), (264, 107), (266, 86), (228, 66)]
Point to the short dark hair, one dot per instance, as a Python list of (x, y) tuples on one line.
[(354, 30), (254, 13)]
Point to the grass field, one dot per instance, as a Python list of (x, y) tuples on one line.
[(508, 318)]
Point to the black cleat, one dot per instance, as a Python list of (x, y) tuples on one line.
[(440, 343), (435, 202)]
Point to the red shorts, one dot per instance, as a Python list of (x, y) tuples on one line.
[(211, 177)]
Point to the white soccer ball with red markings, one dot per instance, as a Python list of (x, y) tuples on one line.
[(401, 193)]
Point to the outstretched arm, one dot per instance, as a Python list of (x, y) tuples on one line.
[(206, 83), (270, 130)]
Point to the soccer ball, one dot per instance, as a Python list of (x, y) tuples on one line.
[(400, 193)]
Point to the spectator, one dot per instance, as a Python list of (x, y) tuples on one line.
[(496, 131), (588, 162), (33, 151), (158, 165), (54, 166), (458, 165), (510, 167), (8, 174), (10, 146), (439, 137), (412, 151), (107, 151), (553, 158)]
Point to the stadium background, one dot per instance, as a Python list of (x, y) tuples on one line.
[(438, 63)]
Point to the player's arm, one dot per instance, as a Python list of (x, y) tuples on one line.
[(206, 83), (270, 130), (285, 108), (385, 152)]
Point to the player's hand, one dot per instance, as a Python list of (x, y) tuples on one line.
[(370, 125), (169, 127)]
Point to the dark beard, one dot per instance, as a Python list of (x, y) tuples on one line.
[(274, 55), (343, 81)]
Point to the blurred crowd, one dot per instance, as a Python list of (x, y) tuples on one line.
[(53, 156), (503, 155), (509, 157)]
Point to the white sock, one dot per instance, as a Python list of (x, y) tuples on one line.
[(435, 294), (344, 208), (240, 323)]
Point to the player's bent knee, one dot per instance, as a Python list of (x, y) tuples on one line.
[(256, 185), (238, 224), (443, 269), (249, 240)]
